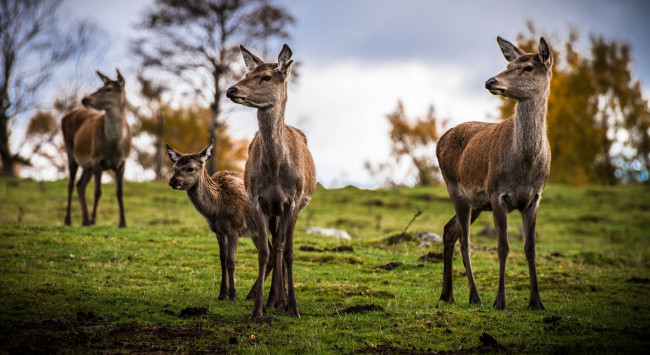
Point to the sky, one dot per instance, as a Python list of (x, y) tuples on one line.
[(358, 58)]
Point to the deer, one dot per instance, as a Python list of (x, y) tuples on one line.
[(221, 199), (97, 141), (500, 167), (279, 175)]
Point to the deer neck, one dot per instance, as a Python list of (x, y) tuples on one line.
[(530, 127), (204, 193), (114, 126), (272, 133)]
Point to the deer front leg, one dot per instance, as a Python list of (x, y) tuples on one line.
[(86, 175), (463, 215), (230, 264), (119, 184), (500, 216), (262, 261), (288, 230), (72, 169), (529, 219), (223, 256), (97, 170), (277, 294), (450, 237)]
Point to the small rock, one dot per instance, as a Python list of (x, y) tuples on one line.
[(427, 238), (329, 232)]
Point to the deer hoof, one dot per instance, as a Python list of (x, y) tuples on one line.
[(293, 312), (67, 221), (222, 296), (500, 305), (475, 299), (448, 298), (537, 305)]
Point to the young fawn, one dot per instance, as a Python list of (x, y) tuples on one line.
[(500, 168), (221, 199), (97, 141), (280, 176)]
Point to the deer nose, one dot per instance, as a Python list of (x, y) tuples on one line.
[(85, 101), (172, 182), (491, 82), (231, 91)]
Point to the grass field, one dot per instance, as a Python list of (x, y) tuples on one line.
[(100, 288)]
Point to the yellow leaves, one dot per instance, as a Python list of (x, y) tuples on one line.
[(42, 123)]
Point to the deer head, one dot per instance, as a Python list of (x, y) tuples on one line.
[(265, 84), (526, 76), (110, 95), (188, 168)]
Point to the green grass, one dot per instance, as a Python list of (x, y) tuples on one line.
[(80, 289)]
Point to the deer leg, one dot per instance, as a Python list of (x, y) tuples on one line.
[(463, 216), (450, 237), (529, 219), (97, 170), (230, 264), (262, 261), (277, 295), (223, 255), (269, 267), (72, 168), (500, 216), (289, 227), (86, 175), (119, 191)]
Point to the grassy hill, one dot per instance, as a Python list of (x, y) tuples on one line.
[(143, 288)]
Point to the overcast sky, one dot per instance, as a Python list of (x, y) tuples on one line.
[(359, 57)]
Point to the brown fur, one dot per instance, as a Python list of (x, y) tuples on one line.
[(97, 141), (222, 200), (280, 175), (500, 167)]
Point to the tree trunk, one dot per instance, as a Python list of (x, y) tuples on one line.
[(215, 124), (5, 153)]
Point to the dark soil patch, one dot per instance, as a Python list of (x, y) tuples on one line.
[(374, 203), (638, 280), (390, 266), (592, 218), (339, 249), (362, 308), (88, 317), (557, 255), (389, 349), (433, 198), (432, 257), (81, 335), (399, 238), (551, 319), (190, 312), (491, 343)]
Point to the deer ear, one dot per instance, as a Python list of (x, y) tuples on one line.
[(103, 77), (509, 50), (120, 78), (173, 155), (284, 61), (206, 154), (545, 54), (249, 58)]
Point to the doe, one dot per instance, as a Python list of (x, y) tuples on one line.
[(500, 167), (280, 176), (97, 141)]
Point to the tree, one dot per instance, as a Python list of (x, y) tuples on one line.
[(598, 120), (196, 41), (183, 130), (32, 47), (413, 140)]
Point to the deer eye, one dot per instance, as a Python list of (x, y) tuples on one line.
[(266, 78), (528, 68), (190, 170)]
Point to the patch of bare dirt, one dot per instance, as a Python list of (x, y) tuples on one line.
[(638, 280), (190, 312), (390, 266), (432, 257), (339, 249)]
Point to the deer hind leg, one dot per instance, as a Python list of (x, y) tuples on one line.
[(86, 175), (500, 216), (463, 216), (450, 237), (223, 256), (119, 191), (230, 264), (72, 168), (288, 230), (269, 266), (529, 219), (97, 169), (277, 293)]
